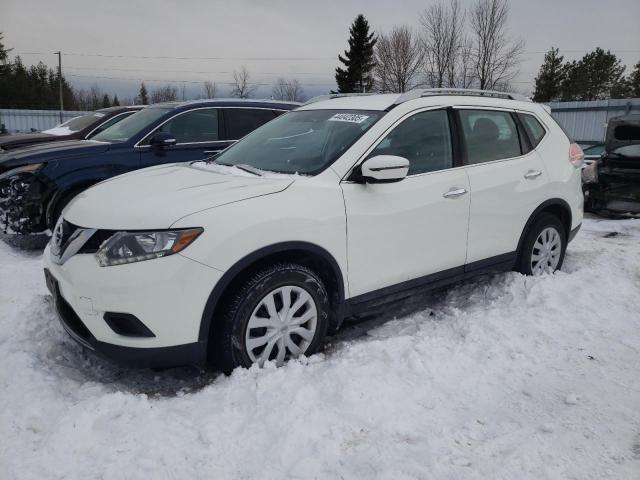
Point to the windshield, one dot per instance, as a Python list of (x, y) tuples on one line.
[(132, 125), (75, 124), (304, 142), (628, 150)]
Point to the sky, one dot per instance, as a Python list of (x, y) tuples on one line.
[(208, 39)]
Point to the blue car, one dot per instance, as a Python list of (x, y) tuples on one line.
[(37, 182)]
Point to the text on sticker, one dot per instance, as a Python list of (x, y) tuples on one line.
[(348, 117)]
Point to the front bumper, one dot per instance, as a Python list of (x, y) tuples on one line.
[(167, 295)]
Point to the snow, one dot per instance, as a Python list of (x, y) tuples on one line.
[(59, 131), (239, 172), (503, 377)]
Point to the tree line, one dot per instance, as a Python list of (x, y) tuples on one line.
[(458, 48), (596, 76), (452, 48)]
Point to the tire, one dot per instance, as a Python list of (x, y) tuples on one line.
[(554, 239), (251, 320), (60, 205)]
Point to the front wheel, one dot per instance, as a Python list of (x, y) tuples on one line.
[(281, 312), (544, 246)]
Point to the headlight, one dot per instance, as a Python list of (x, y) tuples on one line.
[(130, 247)]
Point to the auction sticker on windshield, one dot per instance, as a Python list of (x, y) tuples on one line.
[(348, 117)]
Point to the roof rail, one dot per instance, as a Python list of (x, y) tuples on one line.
[(428, 92), (331, 96)]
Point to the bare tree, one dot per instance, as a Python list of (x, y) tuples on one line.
[(242, 88), (288, 90), (494, 54), (444, 44), (398, 57), (210, 89), (168, 93)]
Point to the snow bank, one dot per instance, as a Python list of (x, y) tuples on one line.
[(505, 377)]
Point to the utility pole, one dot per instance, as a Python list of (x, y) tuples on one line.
[(60, 82)]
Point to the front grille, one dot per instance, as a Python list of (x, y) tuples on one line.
[(60, 237)]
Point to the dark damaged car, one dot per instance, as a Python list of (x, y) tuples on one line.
[(612, 183), (83, 127), (37, 182)]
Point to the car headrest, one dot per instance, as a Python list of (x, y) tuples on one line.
[(486, 129)]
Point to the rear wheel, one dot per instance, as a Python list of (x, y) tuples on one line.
[(544, 246), (281, 312)]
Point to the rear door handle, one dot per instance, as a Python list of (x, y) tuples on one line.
[(211, 151), (531, 174), (455, 192)]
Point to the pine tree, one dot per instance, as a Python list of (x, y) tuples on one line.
[(144, 95), (552, 74), (116, 102), (4, 52), (634, 81), (106, 103), (358, 60), (594, 77)]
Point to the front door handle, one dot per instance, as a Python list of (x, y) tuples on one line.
[(455, 192), (531, 174), (211, 151)]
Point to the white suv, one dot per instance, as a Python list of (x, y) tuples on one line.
[(339, 208)]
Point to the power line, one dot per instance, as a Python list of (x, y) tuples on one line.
[(167, 57), (186, 81), (209, 72)]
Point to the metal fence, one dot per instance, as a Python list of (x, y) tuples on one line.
[(586, 122), (18, 120)]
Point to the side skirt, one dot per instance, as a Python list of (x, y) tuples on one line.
[(405, 291)]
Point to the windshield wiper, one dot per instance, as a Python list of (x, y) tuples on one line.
[(250, 169)]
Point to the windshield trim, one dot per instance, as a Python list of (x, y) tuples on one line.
[(379, 113)]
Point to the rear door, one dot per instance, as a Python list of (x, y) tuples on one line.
[(508, 182), (197, 133)]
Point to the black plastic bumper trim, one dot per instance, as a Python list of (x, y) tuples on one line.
[(574, 232)]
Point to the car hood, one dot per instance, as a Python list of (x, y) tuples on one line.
[(18, 139), (157, 197), (44, 152)]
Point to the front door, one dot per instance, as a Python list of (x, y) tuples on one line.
[(197, 135), (397, 232)]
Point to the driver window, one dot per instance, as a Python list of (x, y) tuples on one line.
[(423, 139), (194, 126)]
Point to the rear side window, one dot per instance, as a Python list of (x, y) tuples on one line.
[(241, 121), (423, 139), (195, 126), (535, 130), (489, 135)]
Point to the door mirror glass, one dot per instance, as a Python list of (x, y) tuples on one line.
[(384, 169), (162, 139)]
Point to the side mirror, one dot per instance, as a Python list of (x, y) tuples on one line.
[(384, 169), (162, 139)]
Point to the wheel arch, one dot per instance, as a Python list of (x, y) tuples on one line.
[(557, 207), (306, 253), (64, 194)]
